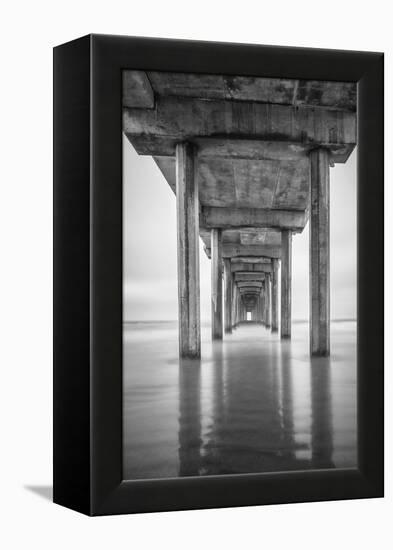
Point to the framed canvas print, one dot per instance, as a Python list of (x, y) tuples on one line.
[(218, 275)]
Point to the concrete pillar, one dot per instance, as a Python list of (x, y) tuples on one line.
[(237, 306), (267, 301), (187, 204), (228, 295), (240, 310), (319, 253), (216, 292), (286, 283), (274, 295), (234, 298)]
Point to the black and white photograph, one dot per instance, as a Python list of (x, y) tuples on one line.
[(195, 287), (239, 274)]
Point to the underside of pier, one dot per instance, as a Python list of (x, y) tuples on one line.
[(248, 159)]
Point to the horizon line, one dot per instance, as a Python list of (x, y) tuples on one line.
[(338, 320)]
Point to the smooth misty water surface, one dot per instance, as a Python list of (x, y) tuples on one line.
[(252, 404)]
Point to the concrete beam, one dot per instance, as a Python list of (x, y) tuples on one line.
[(237, 267), (187, 205), (216, 283), (234, 218), (316, 93), (137, 91), (319, 254), (249, 284), (230, 250), (249, 276), (162, 147), (250, 149), (174, 119), (286, 284), (234, 183)]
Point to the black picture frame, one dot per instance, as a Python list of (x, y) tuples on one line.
[(88, 275)]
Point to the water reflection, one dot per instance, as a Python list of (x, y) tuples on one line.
[(321, 407), (190, 442), (251, 423), (251, 404)]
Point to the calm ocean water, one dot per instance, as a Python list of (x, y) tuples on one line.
[(252, 404)]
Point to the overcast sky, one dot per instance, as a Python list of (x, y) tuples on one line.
[(150, 260)]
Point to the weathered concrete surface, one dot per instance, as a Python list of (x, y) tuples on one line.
[(337, 95), (237, 183), (259, 264), (254, 260), (274, 275), (267, 301), (250, 149), (137, 91), (239, 250), (249, 284), (216, 282), (319, 254), (249, 276), (260, 236), (231, 218), (253, 139), (234, 183), (234, 301), (188, 252), (228, 295), (260, 310), (177, 118), (286, 284)]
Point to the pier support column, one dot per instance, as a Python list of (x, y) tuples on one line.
[(319, 253), (274, 295), (216, 271), (267, 301), (188, 252), (286, 283), (237, 306), (228, 295), (234, 298)]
